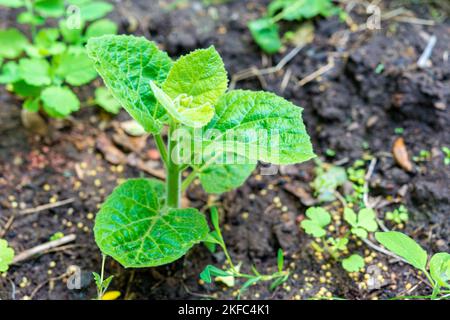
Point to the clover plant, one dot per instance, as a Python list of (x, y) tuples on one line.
[(216, 134), (265, 31), (55, 57), (438, 271)]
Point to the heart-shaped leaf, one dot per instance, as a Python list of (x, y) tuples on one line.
[(135, 228), (319, 218)]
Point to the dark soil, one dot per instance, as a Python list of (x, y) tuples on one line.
[(350, 109)]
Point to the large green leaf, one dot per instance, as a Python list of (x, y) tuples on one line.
[(222, 178), (35, 71), (200, 75), (127, 64), (135, 228), (440, 269), (404, 246), (59, 102), (12, 43), (75, 67), (182, 110), (258, 126)]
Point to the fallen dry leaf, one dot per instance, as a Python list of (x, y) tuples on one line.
[(401, 154), (297, 190), (112, 154)]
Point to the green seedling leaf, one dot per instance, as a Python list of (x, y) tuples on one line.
[(35, 71), (50, 8), (100, 28), (45, 44), (32, 104), (362, 223), (215, 218), (212, 271), (181, 109), (127, 64), (59, 102), (135, 228), (105, 99), (70, 34), (327, 181), (440, 269), (91, 11), (277, 282), (280, 260), (10, 73), (318, 219), (200, 75), (258, 126), (354, 263), (265, 33), (28, 18), (6, 255), (12, 3), (223, 178), (22, 89), (12, 43), (405, 247), (75, 67)]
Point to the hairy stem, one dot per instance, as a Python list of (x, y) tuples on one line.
[(173, 174)]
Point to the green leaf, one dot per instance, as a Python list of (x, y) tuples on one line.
[(257, 126), (319, 218), (28, 18), (12, 43), (127, 64), (265, 33), (366, 219), (354, 263), (181, 109), (6, 255), (71, 34), (405, 247), (59, 102), (46, 43), (135, 228), (327, 181), (100, 28), (50, 8), (75, 67), (222, 178), (32, 104), (280, 260), (350, 216), (200, 75), (23, 89), (212, 271), (35, 71), (12, 3), (440, 269), (91, 11), (10, 73), (105, 99)]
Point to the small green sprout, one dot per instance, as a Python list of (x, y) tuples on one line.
[(446, 152), (438, 272), (102, 283), (318, 219), (379, 69), (399, 130), (265, 31), (423, 156), (361, 223), (58, 235), (328, 179), (6, 255), (228, 276), (354, 263), (399, 215)]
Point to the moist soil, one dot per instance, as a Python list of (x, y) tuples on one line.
[(356, 108)]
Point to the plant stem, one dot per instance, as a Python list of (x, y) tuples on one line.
[(189, 179), (102, 274), (161, 147), (173, 174), (30, 8)]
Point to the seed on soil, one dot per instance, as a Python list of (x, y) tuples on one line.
[(52, 264), (90, 216), (46, 187), (245, 215)]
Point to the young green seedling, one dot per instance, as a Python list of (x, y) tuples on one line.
[(265, 31), (55, 57), (101, 283), (399, 216), (218, 135), (229, 275), (438, 271), (6, 255)]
